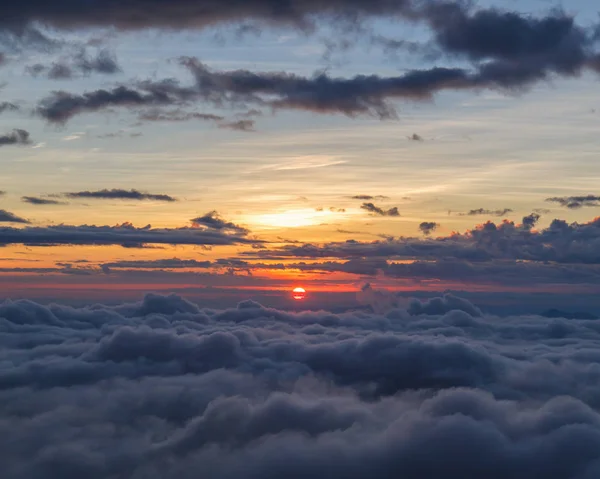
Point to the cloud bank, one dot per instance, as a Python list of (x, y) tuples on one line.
[(166, 388)]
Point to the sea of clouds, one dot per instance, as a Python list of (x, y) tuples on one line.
[(165, 388)]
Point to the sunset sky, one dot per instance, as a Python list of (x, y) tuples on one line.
[(407, 146)]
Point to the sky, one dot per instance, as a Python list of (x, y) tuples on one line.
[(236, 151), (425, 169)]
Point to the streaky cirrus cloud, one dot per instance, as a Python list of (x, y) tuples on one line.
[(120, 194), (15, 137), (378, 211), (576, 202), (124, 234), (168, 388), (369, 197), (8, 217)]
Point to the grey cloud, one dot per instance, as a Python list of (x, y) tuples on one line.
[(212, 220), (81, 63), (239, 125), (8, 217), (176, 116), (369, 197), (34, 200), (376, 210), (576, 202), (167, 388), (120, 194), (16, 137), (8, 106), (428, 227), (486, 212), (125, 234), (560, 242)]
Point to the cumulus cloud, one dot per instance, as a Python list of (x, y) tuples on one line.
[(167, 388), (124, 234), (120, 194), (428, 227), (576, 202), (213, 221), (8, 217), (16, 137), (376, 210)]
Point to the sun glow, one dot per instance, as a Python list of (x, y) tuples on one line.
[(291, 218)]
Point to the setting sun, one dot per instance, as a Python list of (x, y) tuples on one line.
[(299, 293)]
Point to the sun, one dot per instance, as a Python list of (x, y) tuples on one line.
[(298, 293)]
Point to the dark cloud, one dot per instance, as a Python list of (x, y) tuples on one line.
[(8, 217), (369, 197), (16, 137), (2, 193), (213, 221), (428, 227), (81, 63), (119, 194), (34, 200), (415, 137), (8, 106), (560, 242), (486, 212), (376, 210), (167, 388), (238, 125), (371, 95), (178, 14), (124, 234), (177, 116), (575, 202)]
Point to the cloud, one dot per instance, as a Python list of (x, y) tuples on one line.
[(415, 137), (81, 63), (369, 95), (376, 210), (168, 388), (486, 212), (33, 200), (239, 125), (428, 227), (176, 116), (576, 202), (369, 197), (8, 106), (16, 137), (124, 235), (119, 194), (560, 242), (2, 193), (8, 217), (213, 221)]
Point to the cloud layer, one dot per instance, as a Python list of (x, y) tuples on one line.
[(166, 388)]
